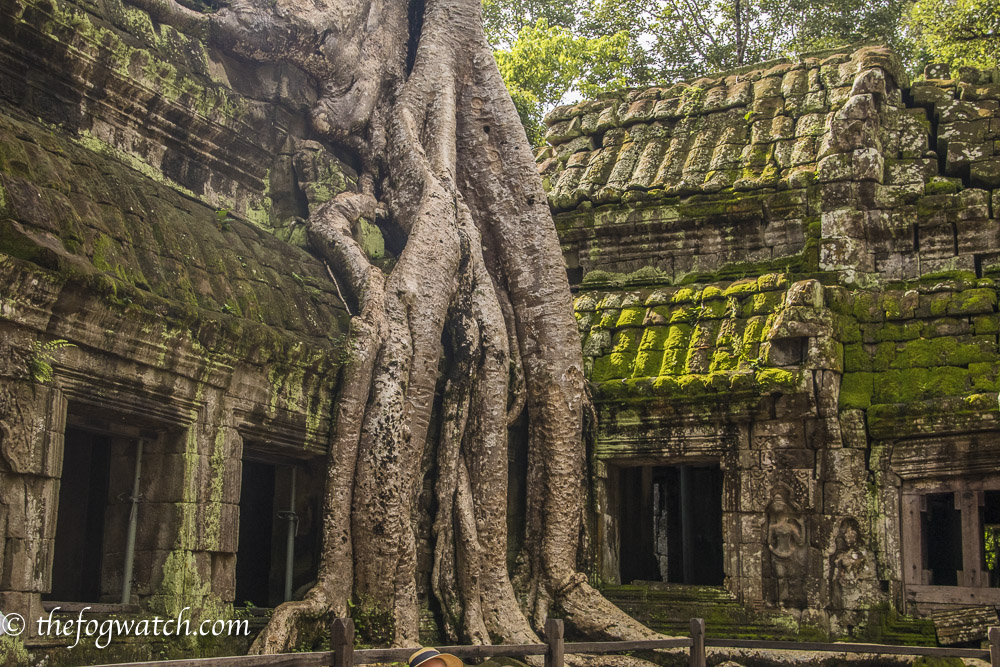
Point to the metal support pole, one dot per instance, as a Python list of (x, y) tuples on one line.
[(133, 520), (293, 524)]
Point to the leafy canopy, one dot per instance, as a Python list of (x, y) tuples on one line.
[(959, 32), (552, 52)]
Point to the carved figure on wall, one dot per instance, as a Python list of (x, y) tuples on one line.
[(850, 566), (786, 545)]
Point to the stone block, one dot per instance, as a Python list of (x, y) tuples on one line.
[(844, 465), (870, 81), (28, 605), (937, 71), (160, 525), (835, 167), (752, 527), (148, 570), (975, 236), (843, 223), (798, 459), (26, 564), (960, 155), (985, 173), (768, 87), (795, 82), (867, 165), (224, 576)]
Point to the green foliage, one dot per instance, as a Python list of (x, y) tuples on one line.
[(12, 651), (372, 621), (42, 355), (552, 52), (547, 62), (960, 32), (222, 219)]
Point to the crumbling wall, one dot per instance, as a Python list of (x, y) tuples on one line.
[(151, 195), (789, 269), (828, 163)]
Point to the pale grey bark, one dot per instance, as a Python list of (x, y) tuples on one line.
[(481, 267)]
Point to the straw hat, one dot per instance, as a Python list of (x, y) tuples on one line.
[(425, 654)]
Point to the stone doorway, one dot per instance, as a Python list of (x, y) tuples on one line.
[(83, 503), (670, 524), (253, 557), (95, 500), (280, 503)]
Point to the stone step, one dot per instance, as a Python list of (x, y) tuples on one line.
[(668, 608)]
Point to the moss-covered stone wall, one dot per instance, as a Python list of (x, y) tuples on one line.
[(789, 271), (832, 162), (151, 287)]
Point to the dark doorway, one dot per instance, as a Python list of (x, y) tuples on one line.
[(83, 501), (638, 546), (253, 558), (942, 531), (671, 524)]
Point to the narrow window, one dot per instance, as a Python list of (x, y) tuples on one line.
[(991, 536)]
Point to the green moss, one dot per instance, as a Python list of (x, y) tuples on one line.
[(655, 338), (846, 329), (631, 317), (678, 336), (838, 300), (627, 340), (886, 626), (986, 324), (755, 331), (711, 292), (684, 295), (716, 308), (745, 286), (939, 304), (777, 379), (674, 361), (985, 376), (944, 351), (12, 651), (856, 391), (912, 384), (899, 331), (762, 303), (772, 281), (685, 313), (648, 363), (612, 366), (972, 301), (856, 358), (867, 307), (723, 360), (940, 185)]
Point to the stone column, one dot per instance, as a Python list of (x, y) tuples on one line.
[(32, 423)]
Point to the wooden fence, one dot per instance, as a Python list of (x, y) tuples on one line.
[(555, 648)]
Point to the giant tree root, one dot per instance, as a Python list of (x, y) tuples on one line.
[(471, 326)]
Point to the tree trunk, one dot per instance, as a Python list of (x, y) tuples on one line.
[(480, 286)]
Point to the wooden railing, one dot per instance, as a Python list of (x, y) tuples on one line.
[(555, 649)]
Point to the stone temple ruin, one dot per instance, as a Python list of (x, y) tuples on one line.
[(784, 280)]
